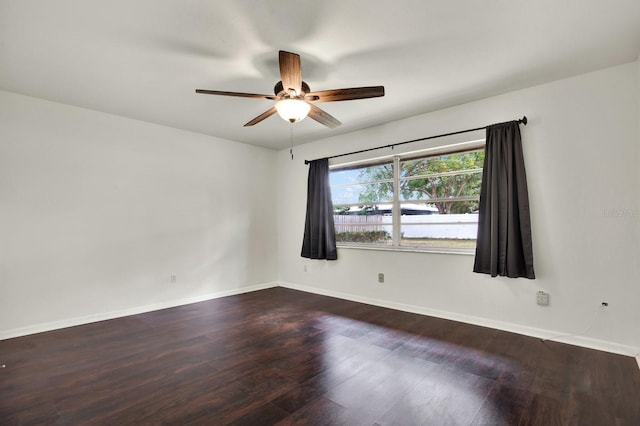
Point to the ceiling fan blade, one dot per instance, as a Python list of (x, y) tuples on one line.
[(291, 72), (323, 117), (237, 94), (261, 117), (345, 94)]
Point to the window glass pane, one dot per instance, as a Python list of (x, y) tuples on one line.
[(424, 225), (444, 176), (442, 163), (364, 225), (361, 174), (369, 193), (362, 199), (367, 184)]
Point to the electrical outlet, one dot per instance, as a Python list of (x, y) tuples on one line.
[(380, 277), (173, 279), (543, 298)]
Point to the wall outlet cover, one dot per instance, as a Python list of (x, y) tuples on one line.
[(543, 298)]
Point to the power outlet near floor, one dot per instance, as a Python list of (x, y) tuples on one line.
[(380, 277), (542, 298)]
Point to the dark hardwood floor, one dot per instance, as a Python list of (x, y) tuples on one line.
[(280, 356)]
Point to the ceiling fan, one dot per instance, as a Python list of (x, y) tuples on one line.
[(293, 98)]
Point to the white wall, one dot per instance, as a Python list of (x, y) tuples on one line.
[(98, 211), (582, 154)]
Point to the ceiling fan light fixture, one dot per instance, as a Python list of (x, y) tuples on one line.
[(292, 110)]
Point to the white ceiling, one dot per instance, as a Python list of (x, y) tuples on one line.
[(143, 59)]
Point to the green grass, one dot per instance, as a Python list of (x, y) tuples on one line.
[(415, 242)]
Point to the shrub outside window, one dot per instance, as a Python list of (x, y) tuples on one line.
[(415, 201)]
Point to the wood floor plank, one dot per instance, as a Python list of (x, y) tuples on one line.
[(320, 412), (336, 372), (507, 400), (267, 414), (280, 356), (444, 396)]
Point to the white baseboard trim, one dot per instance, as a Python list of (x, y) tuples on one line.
[(556, 336), (72, 322), (484, 322)]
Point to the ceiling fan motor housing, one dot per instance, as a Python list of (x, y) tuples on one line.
[(279, 91)]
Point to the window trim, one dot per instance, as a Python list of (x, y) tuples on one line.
[(408, 249), (396, 158)]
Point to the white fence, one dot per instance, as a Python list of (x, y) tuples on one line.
[(455, 226), (359, 223)]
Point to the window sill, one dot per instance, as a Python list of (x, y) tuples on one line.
[(435, 250)]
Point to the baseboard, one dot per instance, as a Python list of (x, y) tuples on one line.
[(556, 336), (484, 322), (72, 322)]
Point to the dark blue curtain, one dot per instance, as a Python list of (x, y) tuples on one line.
[(319, 231), (504, 245)]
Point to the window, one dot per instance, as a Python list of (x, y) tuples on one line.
[(413, 201)]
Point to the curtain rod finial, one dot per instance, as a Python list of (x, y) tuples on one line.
[(306, 161), (524, 120)]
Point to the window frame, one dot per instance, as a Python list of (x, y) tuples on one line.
[(396, 159)]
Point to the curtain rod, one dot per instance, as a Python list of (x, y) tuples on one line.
[(523, 120)]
